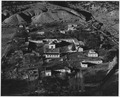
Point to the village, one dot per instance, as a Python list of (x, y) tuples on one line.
[(59, 58), (57, 52), (54, 57)]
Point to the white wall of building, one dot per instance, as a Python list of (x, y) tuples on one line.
[(52, 56), (80, 49), (52, 46), (92, 53), (96, 62), (48, 73)]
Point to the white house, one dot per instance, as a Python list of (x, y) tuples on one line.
[(51, 46), (64, 70), (41, 33), (94, 61), (20, 26), (36, 41), (80, 49), (52, 55), (92, 53), (83, 65), (25, 76), (48, 73), (50, 40), (50, 51), (67, 40)]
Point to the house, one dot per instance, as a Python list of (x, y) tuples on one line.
[(50, 40), (51, 46), (41, 33), (83, 65), (36, 41), (48, 73), (50, 51), (88, 64), (92, 53), (67, 40), (21, 26), (80, 49), (52, 55), (25, 76), (64, 70), (95, 61)]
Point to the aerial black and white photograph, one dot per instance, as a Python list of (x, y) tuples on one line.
[(59, 48)]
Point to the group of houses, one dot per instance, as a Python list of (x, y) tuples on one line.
[(71, 27), (53, 50), (60, 71), (54, 47)]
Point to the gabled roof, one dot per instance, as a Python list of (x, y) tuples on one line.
[(47, 50)]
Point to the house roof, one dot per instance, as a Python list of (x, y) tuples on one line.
[(52, 53), (47, 50), (62, 43), (36, 41)]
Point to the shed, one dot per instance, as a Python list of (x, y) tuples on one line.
[(48, 73), (92, 53), (80, 49)]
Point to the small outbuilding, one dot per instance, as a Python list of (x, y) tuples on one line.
[(92, 53), (48, 73), (41, 33), (80, 49)]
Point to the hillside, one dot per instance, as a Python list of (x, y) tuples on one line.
[(60, 48)]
